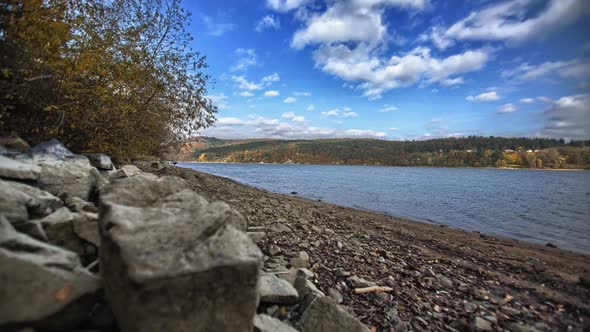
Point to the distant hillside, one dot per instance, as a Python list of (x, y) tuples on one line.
[(450, 152)]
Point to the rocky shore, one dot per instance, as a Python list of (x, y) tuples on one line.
[(87, 246)]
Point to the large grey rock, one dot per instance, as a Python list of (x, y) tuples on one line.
[(14, 143), (266, 323), (47, 200), (51, 149), (18, 206), (275, 290), (100, 161), (18, 170), (171, 261), (59, 228), (86, 228), (72, 176), (323, 315), (33, 229), (301, 260), (308, 292), (38, 280)]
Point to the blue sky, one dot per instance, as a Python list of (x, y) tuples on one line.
[(396, 69)]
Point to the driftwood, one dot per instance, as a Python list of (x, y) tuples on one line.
[(372, 289)]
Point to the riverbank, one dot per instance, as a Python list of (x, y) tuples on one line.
[(441, 277)]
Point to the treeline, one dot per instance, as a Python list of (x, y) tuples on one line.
[(473, 151), (116, 76)]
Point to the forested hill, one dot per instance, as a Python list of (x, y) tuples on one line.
[(451, 152)]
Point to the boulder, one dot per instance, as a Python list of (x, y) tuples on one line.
[(172, 261), (51, 149), (301, 260), (33, 229), (275, 290), (14, 143), (17, 206), (323, 315), (18, 170), (308, 292), (266, 323), (72, 176), (86, 228), (47, 200), (76, 204), (256, 236), (38, 280), (294, 273), (100, 161), (59, 229)]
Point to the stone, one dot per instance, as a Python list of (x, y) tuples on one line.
[(48, 201), (86, 228), (51, 149), (274, 250), (357, 282), (294, 273), (301, 260), (42, 279), (480, 324), (308, 292), (72, 176), (335, 295), (172, 261), (33, 229), (323, 315), (519, 327), (342, 273), (14, 143), (127, 171), (266, 323), (100, 161), (402, 327), (19, 206), (256, 236), (18, 170), (275, 290), (76, 204)]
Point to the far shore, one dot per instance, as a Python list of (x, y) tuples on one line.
[(466, 167)]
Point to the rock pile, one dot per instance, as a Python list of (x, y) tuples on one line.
[(87, 246)]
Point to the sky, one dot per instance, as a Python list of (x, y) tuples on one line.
[(396, 69)]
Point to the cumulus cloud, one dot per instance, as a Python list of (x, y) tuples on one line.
[(345, 112), (229, 121), (271, 93), (293, 117), (512, 21), (485, 97), (388, 108), (246, 58), (361, 64), (289, 100), (507, 108), (302, 94), (215, 28), (244, 84), (246, 94), (268, 22), (571, 69), (285, 5), (274, 77), (527, 100), (219, 100), (261, 127), (311, 107), (569, 118)]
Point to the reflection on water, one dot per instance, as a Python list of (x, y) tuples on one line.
[(538, 206)]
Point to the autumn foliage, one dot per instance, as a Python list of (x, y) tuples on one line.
[(102, 76)]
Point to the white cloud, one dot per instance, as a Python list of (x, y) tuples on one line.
[(311, 107), (285, 5), (246, 94), (388, 108), (219, 100), (274, 77), (298, 119), (288, 115), (271, 93), (246, 58), (511, 20), (361, 64), (345, 112), (485, 97), (244, 84), (289, 100), (527, 100), (393, 129), (545, 99), (229, 121), (576, 68), (452, 81), (216, 28), (569, 118), (268, 22), (365, 133), (301, 94), (507, 108)]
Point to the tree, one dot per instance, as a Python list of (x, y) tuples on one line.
[(113, 76)]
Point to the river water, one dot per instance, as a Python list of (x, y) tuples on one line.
[(539, 206)]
